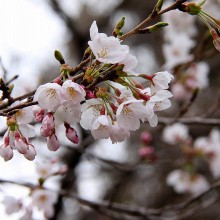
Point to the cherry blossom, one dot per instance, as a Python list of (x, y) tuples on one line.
[(44, 200), (130, 62), (182, 182), (48, 96), (129, 114), (106, 49), (44, 169), (24, 116), (12, 205), (161, 81), (211, 146), (177, 51), (72, 92), (101, 127), (90, 111), (158, 101), (176, 133), (117, 133), (68, 112)]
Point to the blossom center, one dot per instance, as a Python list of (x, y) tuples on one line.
[(42, 198), (72, 93), (51, 92), (128, 112), (103, 53)]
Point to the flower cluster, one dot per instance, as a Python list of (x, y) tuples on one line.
[(59, 105), (179, 41), (188, 179), (107, 114), (38, 198), (17, 134)]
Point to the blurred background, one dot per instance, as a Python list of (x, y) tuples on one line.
[(133, 172)]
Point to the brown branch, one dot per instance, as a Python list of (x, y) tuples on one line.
[(187, 106), (153, 15), (3, 69), (191, 121), (181, 210), (13, 110)]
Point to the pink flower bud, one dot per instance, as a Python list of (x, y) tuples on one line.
[(39, 115), (30, 153), (53, 143), (58, 80), (71, 134), (146, 137), (146, 151), (21, 145), (6, 152), (48, 126), (90, 94)]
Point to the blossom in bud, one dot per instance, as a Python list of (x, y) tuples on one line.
[(146, 151), (216, 38), (5, 150), (53, 143), (39, 113), (72, 92), (117, 31), (146, 137), (21, 145), (44, 200), (58, 55), (71, 134), (48, 96), (30, 153), (161, 81), (106, 49), (48, 126), (90, 94), (58, 80), (129, 114)]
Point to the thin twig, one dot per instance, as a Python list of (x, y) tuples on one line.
[(150, 18), (191, 121)]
